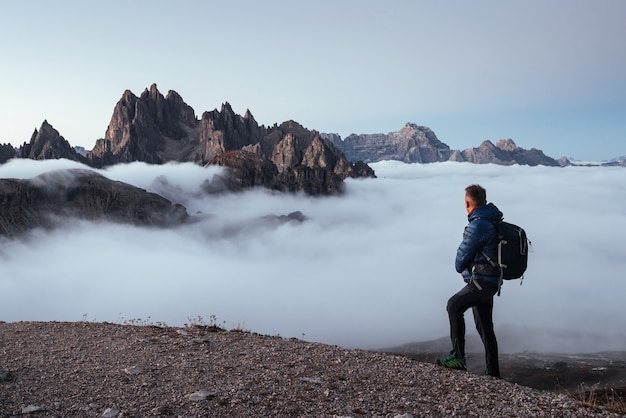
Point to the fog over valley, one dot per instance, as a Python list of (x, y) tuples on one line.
[(371, 269)]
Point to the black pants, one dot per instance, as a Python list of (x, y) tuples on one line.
[(481, 302)]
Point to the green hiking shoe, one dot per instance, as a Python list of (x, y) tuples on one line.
[(488, 373), (453, 361)]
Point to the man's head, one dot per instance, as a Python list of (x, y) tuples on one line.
[(475, 196)]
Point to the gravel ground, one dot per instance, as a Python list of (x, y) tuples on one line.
[(86, 369)]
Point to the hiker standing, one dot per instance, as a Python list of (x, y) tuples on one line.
[(479, 242)]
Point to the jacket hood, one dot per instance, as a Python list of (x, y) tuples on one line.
[(488, 211)]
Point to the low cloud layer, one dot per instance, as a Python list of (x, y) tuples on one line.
[(370, 269)]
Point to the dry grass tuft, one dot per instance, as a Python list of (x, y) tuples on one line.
[(613, 399)]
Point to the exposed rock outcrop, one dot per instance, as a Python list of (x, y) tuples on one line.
[(47, 144), (157, 129), (564, 162), (419, 144), (411, 144), (505, 152), (6, 152), (80, 194), (150, 128), (244, 170), (288, 158)]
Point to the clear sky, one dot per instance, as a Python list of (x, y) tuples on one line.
[(548, 74)]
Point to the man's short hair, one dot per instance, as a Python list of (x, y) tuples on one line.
[(477, 193)]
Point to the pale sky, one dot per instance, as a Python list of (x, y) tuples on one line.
[(547, 74)]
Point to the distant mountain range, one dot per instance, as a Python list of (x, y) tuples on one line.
[(613, 162), (419, 144), (157, 129)]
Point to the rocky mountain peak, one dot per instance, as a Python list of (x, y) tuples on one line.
[(422, 135), (146, 128), (412, 130), (46, 143), (6, 152), (227, 110), (505, 152), (411, 144), (506, 145), (180, 110), (128, 95), (153, 93)]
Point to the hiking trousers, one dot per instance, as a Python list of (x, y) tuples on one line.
[(481, 302)]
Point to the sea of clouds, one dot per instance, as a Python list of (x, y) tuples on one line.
[(370, 269)]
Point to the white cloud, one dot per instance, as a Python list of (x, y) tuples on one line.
[(373, 268)]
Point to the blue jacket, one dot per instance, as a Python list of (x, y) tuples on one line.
[(480, 234)]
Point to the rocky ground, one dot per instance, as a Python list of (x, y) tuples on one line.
[(84, 369), (598, 378), (575, 374)]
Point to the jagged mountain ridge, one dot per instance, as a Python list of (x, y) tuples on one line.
[(419, 144), (157, 129)]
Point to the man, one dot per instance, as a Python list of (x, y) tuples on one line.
[(479, 241)]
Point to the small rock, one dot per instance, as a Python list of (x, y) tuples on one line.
[(133, 370), (200, 395), (6, 376), (311, 379), (32, 408), (110, 413)]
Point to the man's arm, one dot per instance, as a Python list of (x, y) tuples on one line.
[(468, 248)]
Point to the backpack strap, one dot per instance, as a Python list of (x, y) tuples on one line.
[(497, 265), (493, 263), (473, 279)]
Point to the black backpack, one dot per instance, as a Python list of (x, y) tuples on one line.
[(513, 246)]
